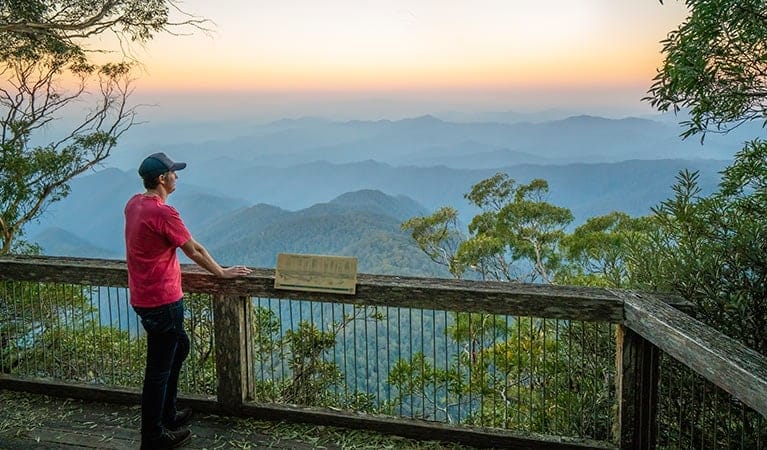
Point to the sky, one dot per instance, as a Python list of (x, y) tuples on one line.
[(397, 58)]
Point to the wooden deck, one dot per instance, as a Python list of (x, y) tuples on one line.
[(40, 422)]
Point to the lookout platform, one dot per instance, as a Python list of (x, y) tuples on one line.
[(42, 422)]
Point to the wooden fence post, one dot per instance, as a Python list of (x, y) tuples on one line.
[(232, 317), (636, 382)]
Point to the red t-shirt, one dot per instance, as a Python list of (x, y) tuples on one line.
[(153, 231)]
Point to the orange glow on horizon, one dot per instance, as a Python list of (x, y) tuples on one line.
[(464, 53), (584, 72)]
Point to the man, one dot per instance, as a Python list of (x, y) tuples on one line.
[(153, 232)]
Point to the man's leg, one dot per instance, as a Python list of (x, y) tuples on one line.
[(180, 354), (162, 341)]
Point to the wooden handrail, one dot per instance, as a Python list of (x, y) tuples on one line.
[(520, 299), (718, 358)]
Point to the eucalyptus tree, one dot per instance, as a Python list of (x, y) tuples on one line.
[(510, 372), (600, 251), (51, 64), (516, 235), (439, 237)]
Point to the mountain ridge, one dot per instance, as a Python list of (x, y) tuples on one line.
[(375, 196), (566, 139)]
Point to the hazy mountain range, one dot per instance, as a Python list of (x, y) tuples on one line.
[(318, 186), (428, 141), (364, 222)]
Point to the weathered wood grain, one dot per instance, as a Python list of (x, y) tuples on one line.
[(234, 361), (525, 299), (718, 358), (636, 381), (97, 272)]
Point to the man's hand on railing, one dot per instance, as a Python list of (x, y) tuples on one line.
[(235, 271), (197, 253)]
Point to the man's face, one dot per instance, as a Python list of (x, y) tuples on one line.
[(168, 180)]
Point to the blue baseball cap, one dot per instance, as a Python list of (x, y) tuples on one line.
[(157, 164)]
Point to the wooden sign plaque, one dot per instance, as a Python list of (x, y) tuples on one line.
[(316, 273)]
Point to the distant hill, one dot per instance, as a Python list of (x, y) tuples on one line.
[(365, 224), (241, 222), (471, 155), (58, 242), (94, 208), (298, 195), (344, 187), (506, 116), (374, 239), (373, 201), (428, 141), (588, 189)]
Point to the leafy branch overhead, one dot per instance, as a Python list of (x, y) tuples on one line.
[(714, 66), (30, 28), (47, 70)]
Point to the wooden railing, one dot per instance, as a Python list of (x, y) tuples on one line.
[(647, 325)]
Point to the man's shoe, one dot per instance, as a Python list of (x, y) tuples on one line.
[(168, 439), (182, 418)]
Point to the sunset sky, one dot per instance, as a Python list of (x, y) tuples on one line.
[(296, 57)]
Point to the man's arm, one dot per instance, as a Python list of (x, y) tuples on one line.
[(197, 253)]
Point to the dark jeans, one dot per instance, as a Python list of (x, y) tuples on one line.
[(167, 348)]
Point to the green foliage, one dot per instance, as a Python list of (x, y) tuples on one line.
[(525, 374), (711, 249), (53, 331), (29, 310), (199, 370), (694, 413), (33, 29), (88, 353), (43, 49), (491, 194), (32, 177), (745, 181), (714, 65), (438, 236), (295, 364), (534, 375), (312, 376), (597, 251), (516, 236), (472, 328)]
